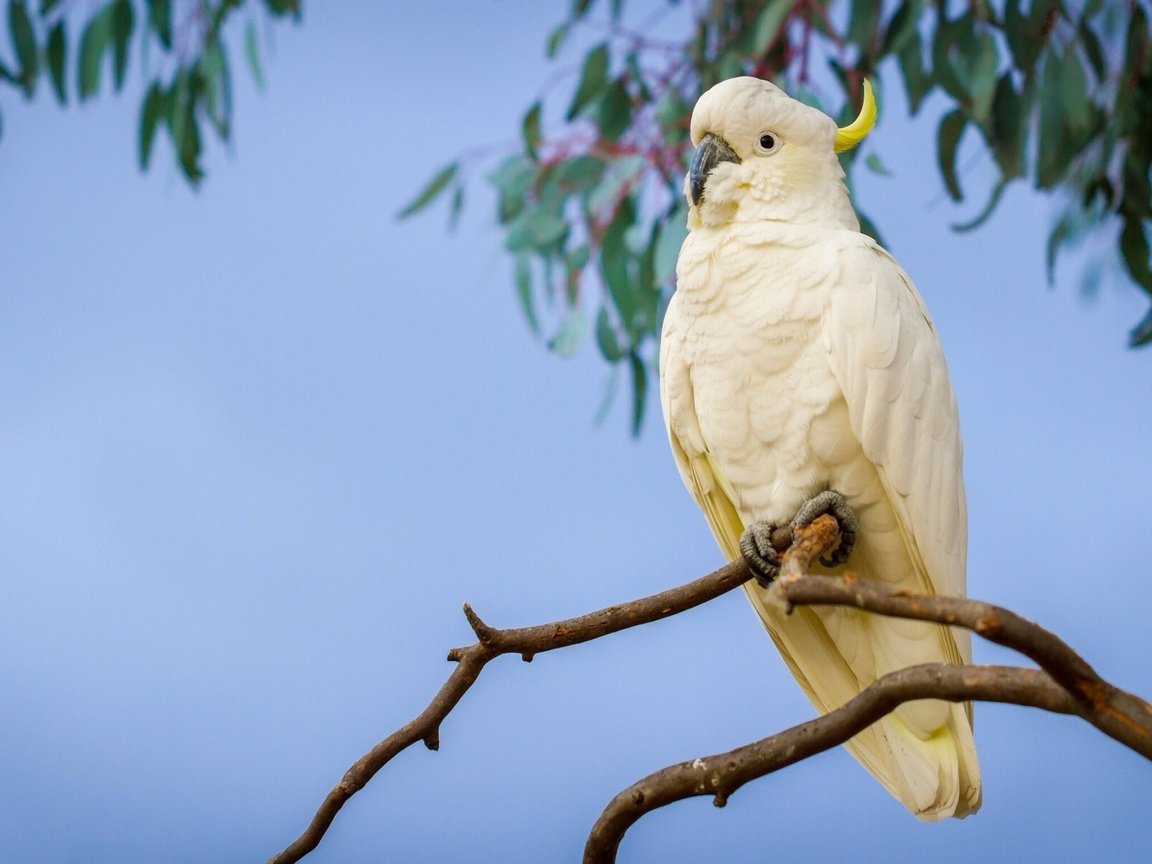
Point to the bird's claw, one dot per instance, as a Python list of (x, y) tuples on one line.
[(836, 505), (761, 555)]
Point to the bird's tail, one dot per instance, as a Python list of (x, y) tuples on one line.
[(935, 773)]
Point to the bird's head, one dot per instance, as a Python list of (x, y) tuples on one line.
[(760, 154)]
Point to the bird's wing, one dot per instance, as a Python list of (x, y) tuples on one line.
[(697, 469), (887, 358)]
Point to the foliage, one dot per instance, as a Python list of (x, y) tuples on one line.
[(1059, 93), (189, 84)]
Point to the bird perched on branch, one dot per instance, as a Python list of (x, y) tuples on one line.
[(800, 374)]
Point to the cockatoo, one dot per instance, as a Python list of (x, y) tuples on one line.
[(800, 374)]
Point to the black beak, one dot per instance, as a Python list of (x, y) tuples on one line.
[(712, 150)]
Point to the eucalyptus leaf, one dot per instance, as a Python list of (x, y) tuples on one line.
[(430, 192), (252, 54), (123, 20), (948, 138), (24, 44), (152, 111), (524, 292), (56, 52), (94, 42), (160, 20), (570, 336), (593, 77)]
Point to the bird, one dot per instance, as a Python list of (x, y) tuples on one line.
[(800, 373)]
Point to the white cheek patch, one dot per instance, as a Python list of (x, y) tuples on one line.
[(722, 191)]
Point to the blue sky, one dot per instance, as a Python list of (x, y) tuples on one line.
[(259, 442)]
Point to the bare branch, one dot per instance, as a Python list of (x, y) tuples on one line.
[(722, 774), (525, 641), (1121, 715), (1067, 685)]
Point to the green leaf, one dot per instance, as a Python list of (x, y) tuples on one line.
[(184, 126), (863, 24), (217, 89), (1074, 93), (769, 23), (512, 179), (1141, 334), (989, 209), (949, 135), (620, 174), (57, 50), (123, 20), (153, 109), (1025, 35), (902, 27), (615, 111), (982, 76), (673, 230), (876, 166), (639, 391), (957, 37), (556, 40), (582, 172), (614, 264), (93, 43), (429, 193), (593, 77), (571, 334), (1134, 249), (1061, 231), (607, 339), (530, 130), (917, 82), (252, 54), (1093, 50), (1011, 113), (160, 21), (47, 6), (24, 43), (457, 207), (1052, 160), (524, 292)]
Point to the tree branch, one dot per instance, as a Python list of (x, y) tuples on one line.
[(527, 642), (722, 774), (1116, 713), (1067, 685)]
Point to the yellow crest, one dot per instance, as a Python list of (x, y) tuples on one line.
[(849, 136)]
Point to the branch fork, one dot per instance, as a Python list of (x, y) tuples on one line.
[(1065, 683)]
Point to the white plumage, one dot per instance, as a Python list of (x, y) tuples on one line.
[(797, 356)]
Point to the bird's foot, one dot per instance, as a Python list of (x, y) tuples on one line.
[(836, 505), (761, 555)]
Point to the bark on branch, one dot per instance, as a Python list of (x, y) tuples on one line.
[(1065, 684)]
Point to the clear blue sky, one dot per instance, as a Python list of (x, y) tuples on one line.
[(259, 442)]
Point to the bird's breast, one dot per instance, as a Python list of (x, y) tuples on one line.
[(770, 411)]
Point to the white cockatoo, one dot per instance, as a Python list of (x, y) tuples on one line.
[(800, 374)]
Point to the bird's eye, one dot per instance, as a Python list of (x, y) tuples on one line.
[(767, 142)]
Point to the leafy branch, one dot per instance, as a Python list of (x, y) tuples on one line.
[(1058, 94), (184, 51), (1065, 684)]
